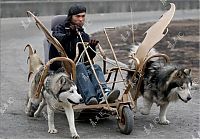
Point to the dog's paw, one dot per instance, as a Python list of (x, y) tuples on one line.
[(76, 136), (164, 122), (26, 110), (144, 111), (53, 131)]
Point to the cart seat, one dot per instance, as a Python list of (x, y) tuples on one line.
[(58, 19)]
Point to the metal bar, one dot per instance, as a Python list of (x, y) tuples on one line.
[(111, 47), (93, 68), (104, 57), (120, 71), (113, 85)]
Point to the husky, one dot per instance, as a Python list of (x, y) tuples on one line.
[(58, 93), (162, 84)]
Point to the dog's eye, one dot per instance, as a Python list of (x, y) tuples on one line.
[(182, 87), (71, 91)]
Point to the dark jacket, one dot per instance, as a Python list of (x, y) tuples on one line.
[(68, 40)]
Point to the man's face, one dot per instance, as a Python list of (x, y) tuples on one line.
[(78, 19)]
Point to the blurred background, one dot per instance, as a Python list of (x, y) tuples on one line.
[(12, 8)]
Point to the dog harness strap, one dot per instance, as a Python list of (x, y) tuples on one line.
[(57, 95), (59, 92), (46, 86)]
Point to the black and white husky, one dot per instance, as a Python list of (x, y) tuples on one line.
[(162, 84), (59, 92)]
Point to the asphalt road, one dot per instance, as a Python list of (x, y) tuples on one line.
[(16, 33)]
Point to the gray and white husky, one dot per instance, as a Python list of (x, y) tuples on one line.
[(58, 93), (162, 84)]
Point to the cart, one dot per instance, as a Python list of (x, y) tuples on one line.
[(122, 109)]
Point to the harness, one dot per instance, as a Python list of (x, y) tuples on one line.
[(49, 91), (38, 75)]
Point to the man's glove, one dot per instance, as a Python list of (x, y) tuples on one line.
[(74, 29), (93, 43)]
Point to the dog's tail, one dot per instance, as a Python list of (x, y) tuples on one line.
[(34, 60)]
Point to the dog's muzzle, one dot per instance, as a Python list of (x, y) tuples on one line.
[(32, 110), (73, 101), (188, 98)]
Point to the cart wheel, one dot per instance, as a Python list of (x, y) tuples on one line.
[(125, 124)]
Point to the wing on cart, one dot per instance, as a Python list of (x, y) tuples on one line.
[(69, 65), (53, 41), (154, 34)]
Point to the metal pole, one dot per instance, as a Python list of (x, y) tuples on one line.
[(120, 71), (93, 68)]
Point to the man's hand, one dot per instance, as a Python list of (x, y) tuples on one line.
[(93, 43), (75, 28)]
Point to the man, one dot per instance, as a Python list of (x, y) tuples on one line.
[(67, 35)]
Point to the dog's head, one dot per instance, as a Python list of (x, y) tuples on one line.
[(64, 89), (180, 84), (34, 104)]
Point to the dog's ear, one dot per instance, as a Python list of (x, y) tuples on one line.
[(181, 73), (187, 71), (62, 80), (178, 73)]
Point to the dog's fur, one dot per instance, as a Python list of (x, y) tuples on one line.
[(162, 84), (59, 92)]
